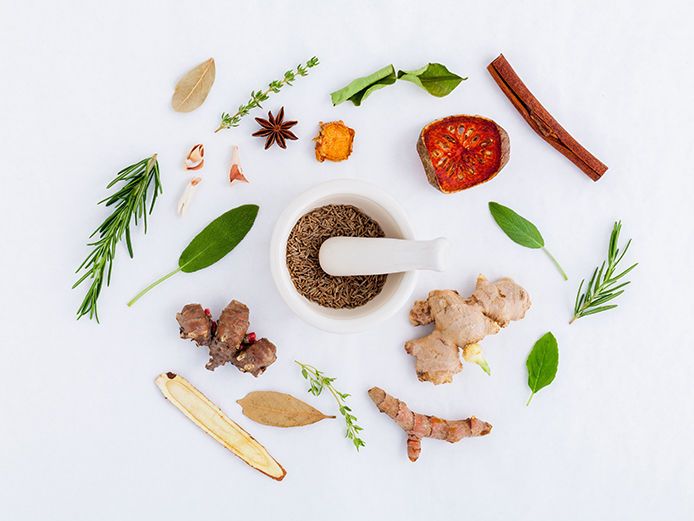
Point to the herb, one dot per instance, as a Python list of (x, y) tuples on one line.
[(275, 129), (542, 363), (603, 285), (130, 203), (435, 78), (520, 230), (229, 121), (319, 382), (361, 88), (210, 245), (192, 89), (279, 409)]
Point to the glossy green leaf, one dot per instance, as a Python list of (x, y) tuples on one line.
[(361, 88), (519, 229), (218, 238), (435, 78), (542, 363)]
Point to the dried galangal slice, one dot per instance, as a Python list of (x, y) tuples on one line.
[(459, 152), (214, 422), (334, 141)]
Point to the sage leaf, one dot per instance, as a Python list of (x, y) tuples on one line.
[(218, 238), (210, 245), (520, 230), (542, 363), (279, 409), (192, 89), (435, 78), (361, 88)]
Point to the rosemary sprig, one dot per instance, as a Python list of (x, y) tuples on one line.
[(229, 121), (319, 382), (130, 202), (603, 285)]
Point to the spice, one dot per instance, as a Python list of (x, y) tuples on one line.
[(541, 121), (275, 129), (195, 159), (187, 195), (303, 247), (334, 141), (192, 89), (236, 172)]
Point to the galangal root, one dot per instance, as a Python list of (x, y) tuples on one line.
[(460, 323), (418, 426), (206, 415), (227, 338)]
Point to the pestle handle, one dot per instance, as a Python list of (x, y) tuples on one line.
[(343, 256)]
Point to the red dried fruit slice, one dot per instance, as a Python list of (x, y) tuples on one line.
[(459, 152)]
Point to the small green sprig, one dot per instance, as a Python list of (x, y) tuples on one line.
[(230, 121), (318, 382), (129, 204), (603, 285)]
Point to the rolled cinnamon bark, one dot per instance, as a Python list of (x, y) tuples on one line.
[(541, 121)]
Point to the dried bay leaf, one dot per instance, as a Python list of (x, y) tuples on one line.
[(279, 409), (192, 89)]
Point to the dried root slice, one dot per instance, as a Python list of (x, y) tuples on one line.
[(195, 159), (334, 141), (214, 422)]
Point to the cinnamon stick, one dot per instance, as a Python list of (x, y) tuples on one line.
[(541, 121)]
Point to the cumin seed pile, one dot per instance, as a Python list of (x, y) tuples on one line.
[(303, 245)]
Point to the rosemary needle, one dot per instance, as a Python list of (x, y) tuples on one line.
[(129, 203)]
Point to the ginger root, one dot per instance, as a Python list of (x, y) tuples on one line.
[(460, 323), (227, 339), (418, 426)]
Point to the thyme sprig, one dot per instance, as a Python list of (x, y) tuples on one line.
[(318, 382), (603, 285), (130, 203), (230, 121)]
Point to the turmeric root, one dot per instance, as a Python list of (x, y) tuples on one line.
[(460, 323), (227, 339), (418, 426)]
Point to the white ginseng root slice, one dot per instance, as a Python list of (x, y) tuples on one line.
[(214, 422)]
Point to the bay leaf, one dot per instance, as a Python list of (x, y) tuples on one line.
[(279, 409), (542, 363), (361, 88), (518, 229), (192, 89), (435, 78)]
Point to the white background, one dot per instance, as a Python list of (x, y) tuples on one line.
[(85, 91)]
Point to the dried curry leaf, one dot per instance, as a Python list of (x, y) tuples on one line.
[(361, 88), (435, 78), (279, 409), (192, 89)]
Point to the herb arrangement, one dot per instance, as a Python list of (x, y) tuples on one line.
[(458, 153), (257, 97), (139, 187), (319, 382)]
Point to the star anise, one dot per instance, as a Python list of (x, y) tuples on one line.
[(275, 129)]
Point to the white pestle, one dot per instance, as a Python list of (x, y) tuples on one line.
[(343, 256)]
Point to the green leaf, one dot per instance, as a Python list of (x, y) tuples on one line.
[(218, 238), (435, 78), (542, 363), (519, 229), (361, 88)]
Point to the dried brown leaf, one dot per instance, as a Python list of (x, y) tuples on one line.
[(279, 409), (192, 89)]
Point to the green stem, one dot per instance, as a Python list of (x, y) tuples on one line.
[(139, 295), (555, 263), (531, 397)]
